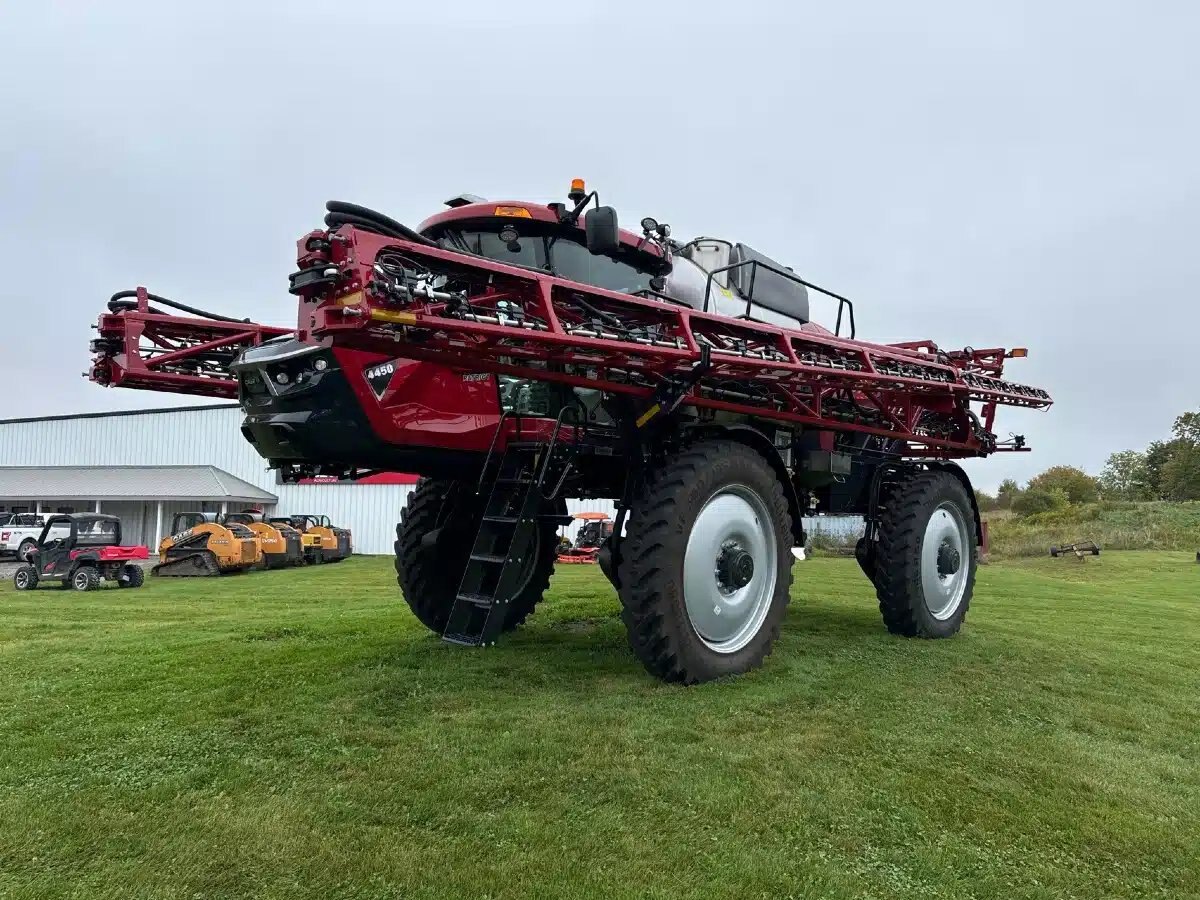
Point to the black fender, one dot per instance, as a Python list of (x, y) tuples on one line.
[(957, 471), (755, 439)]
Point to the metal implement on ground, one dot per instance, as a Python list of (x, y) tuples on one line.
[(515, 354), (1079, 548)]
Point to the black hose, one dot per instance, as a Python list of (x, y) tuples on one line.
[(116, 303), (333, 220), (342, 213)]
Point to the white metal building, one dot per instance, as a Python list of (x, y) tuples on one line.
[(146, 498), (140, 464), (149, 464)]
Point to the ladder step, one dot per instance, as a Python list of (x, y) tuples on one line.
[(463, 640), (502, 520), (494, 559), (510, 480), (482, 600)]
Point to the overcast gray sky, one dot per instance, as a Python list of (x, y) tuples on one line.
[(976, 173)]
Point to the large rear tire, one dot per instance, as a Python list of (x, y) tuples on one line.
[(433, 542), (132, 576), (705, 565), (925, 570), (86, 578)]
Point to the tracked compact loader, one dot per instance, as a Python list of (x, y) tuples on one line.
[(326, 542), (200, 545), (280, 542), (310, 542)]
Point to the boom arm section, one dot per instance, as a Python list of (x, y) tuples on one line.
[(375, 292), (143, 347)]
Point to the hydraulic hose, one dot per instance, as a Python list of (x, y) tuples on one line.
[(119, 302), (342, 213)]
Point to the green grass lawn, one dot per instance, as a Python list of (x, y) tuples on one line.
[(297, 733)]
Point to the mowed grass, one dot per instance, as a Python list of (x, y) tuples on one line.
[(297, 733)]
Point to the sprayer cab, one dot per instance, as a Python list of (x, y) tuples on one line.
[(581, 241)]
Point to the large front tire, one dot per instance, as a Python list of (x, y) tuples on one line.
[(433, 544), (705, 566), (925, 567)]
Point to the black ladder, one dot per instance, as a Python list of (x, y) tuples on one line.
[(500, 557)]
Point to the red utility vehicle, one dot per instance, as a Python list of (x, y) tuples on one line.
[(80, 551), (515, 354)]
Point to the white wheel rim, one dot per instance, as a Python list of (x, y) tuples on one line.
[(22, 580), (733, 525), (945, 560), (80, 580)]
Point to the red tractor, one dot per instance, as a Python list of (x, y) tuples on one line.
[(597, 528), (515, 354)]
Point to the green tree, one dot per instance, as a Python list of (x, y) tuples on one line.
[(1181, 473), (1006, 493), (1187, 427), (985, 501), (1125, 476), (1158, 454), (1039, 500), (1078, 485)]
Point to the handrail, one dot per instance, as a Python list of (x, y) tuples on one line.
[(843, 302), (487, 460), (559, 422)]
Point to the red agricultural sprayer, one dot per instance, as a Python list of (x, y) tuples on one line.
[(516, 354)]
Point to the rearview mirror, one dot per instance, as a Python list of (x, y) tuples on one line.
[(600, 226)]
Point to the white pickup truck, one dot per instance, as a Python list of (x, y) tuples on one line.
[(19, 533)]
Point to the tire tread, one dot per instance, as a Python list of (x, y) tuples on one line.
[(654, 544), (898, 570)]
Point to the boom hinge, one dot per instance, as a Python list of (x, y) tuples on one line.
[(672, 391)]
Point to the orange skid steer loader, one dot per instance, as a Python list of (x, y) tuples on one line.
[(200, 545)]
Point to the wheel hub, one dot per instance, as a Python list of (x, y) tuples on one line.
[(730, 568), (948, 559), (735, 567), (944, 574)]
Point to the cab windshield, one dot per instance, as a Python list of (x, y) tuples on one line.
[(562, 256)]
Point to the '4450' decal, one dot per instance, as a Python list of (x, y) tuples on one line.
[(379, 376)]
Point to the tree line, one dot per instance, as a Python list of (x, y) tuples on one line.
[(1165, 470)]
